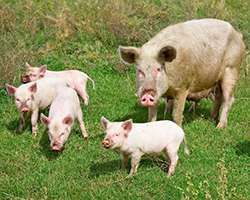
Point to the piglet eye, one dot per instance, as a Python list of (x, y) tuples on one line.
[(18, 100), (116, 134), (62, 134)]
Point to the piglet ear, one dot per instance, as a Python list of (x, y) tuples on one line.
[(33, 88), (42, 70), (27, 66), (11, 89), (127, 126), (105, 122), (68, 120), (45, 120)]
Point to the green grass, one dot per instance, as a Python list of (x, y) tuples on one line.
[(85, 36)]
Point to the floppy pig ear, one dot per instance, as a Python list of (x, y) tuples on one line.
[(42, 70), (129, 54), (45, 120), (33, 88), (68, 120), (11, 89), (105, 122), (127, 126), (168, 53)]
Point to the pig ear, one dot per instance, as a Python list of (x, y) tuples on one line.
[(33, 88), (167, 54), (45, 120), (11, 89), (42, 69), (27, 66), (127, 126), (68, 120), (105, 122), (129, 54)]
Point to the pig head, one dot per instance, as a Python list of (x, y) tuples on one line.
[(58, 130), (32, 97), (186, 58)]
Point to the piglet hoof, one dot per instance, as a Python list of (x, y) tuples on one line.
[(34, 133)]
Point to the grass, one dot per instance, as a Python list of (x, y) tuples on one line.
[(85, 36)]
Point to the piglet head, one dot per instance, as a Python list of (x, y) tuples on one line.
[(58, 131), (116, 133), (34, 73)]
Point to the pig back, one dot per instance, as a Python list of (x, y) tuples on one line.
[(152, 137), (47, 89), (204, 49), (67, 99)]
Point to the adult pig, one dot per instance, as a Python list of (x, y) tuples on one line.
[(149, 138), (76, 79), (33, 97), (188, 57), (64, 109)]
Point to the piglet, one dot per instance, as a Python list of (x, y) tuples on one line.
[(135, 140), (63, 111), (35, 96), (76, 79)]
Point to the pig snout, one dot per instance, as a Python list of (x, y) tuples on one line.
[(55, 148), (147, 100), (25, 110), (105, 144), (25, 79)]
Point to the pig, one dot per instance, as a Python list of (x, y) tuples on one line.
[(35, 96), (195, 97), (64, 109), (137, 139), (189, 57), (76, 79)]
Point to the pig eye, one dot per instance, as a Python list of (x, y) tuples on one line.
[(117, 134), (34, 75), (159, 69), (62, 134), (140, 71), (18, 100)]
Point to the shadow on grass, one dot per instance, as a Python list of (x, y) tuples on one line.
[(13, 126), (243, 148), (139, 113), (46, 148), (103, 168)]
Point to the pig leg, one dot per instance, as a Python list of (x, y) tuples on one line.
[(23, 119), (81, 90), (228, 85), (135, 160), (217, 103), (169, 103), (178, 107), (34, 117), (81, 123), (171, 154), (152, 112), (124, 160)]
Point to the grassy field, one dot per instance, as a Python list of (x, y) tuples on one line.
[(85, 36)]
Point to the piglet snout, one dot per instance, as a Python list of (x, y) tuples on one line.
[(55, 148), (105, 144)]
